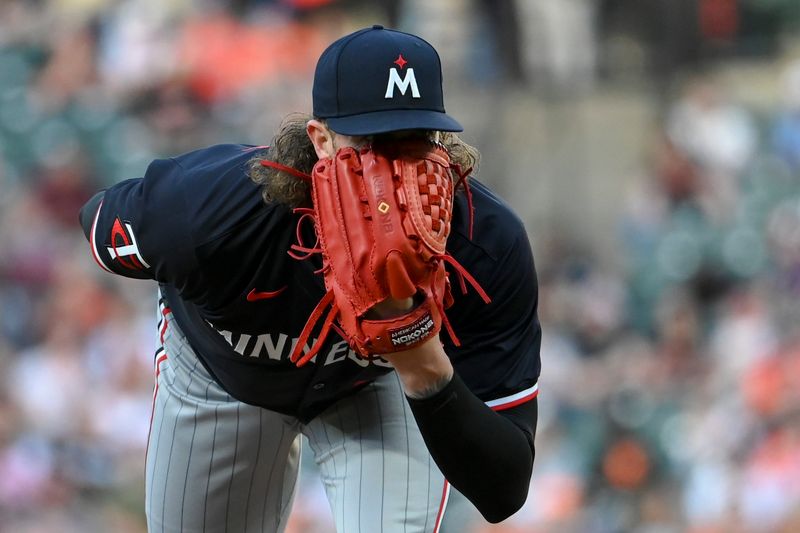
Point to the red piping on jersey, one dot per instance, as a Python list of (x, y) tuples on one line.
[(442, 506), (93, 241), (160, 359), (516, 402), (164, 313)]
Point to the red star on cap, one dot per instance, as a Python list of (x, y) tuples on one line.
[(400, 62)]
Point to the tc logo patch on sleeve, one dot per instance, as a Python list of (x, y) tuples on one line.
[(124, 248)]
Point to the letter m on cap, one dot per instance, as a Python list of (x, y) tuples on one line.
[(402, 84)]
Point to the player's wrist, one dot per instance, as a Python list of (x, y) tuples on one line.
[(421, 389), (423, 371)]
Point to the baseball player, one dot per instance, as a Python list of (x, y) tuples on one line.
[(264, 336)]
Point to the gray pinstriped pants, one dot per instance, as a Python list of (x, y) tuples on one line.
[(216, 465)]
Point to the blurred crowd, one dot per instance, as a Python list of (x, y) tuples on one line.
[(671, 378), (672, 399)]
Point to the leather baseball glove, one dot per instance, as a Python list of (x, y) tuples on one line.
[(382, 217)]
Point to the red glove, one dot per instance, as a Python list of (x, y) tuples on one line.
[(382, 216)]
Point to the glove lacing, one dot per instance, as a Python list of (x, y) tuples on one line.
[(327, 300)]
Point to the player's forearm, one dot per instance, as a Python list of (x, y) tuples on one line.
[(482, 453)]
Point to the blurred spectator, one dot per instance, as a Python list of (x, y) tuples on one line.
[(718, 137), (222, 56), (70, 67), (562, 45), (716, 132)]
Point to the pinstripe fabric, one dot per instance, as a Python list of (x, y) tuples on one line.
[(214, 464), (217, 465), (376, 470)]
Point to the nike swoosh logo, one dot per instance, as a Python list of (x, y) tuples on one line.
[(254, 295)]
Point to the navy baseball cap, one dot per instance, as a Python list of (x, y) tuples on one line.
[(377, 80)]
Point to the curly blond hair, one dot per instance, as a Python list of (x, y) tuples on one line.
[(292, 147)]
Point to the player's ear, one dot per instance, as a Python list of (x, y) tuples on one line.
[(321, 137)]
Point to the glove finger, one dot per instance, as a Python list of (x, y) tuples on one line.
[(400, 284)]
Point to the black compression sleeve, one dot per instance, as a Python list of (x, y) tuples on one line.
[(483, 454)]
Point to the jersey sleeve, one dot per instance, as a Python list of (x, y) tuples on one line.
[(500, 342), (138, 227)]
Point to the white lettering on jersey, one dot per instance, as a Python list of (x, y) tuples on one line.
[(380, 361), (277, 348), (338, 352), (360, 361), (274, 350), (242, 344), (402, 84)]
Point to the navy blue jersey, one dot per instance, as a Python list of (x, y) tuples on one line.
[(199, 226)]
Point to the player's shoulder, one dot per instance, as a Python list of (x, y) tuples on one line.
[(202, 172), (210, 176), (212, 161), (496, 227), (211, 186), (217, 154)]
